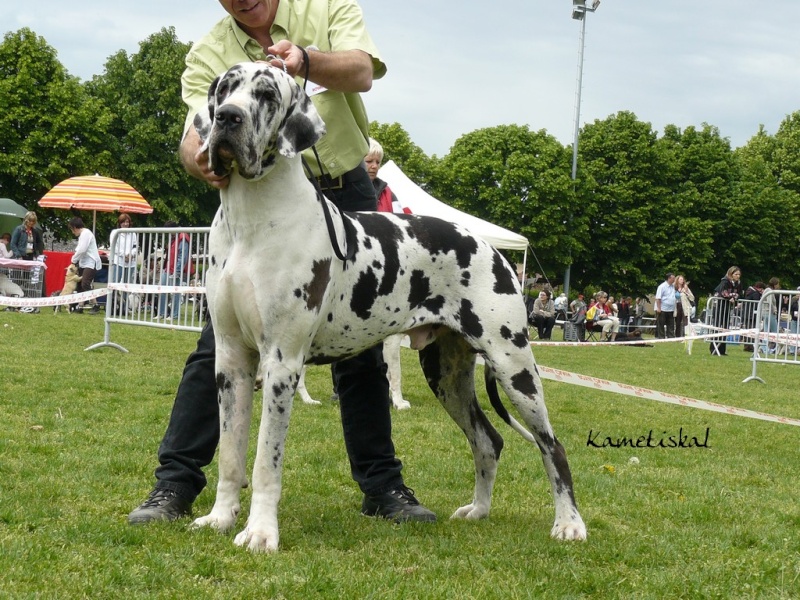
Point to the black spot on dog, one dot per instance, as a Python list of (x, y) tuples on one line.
[(465, 277), (523, 382), (388, 235), (470, 323), (442, 237), (298, 293), (419, 296), (213, 261), (519, 339), (504, 281), (365, 292)]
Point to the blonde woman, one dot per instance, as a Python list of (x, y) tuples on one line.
[(27, 241), (683, 305)]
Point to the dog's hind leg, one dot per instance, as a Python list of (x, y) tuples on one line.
[(517, 373), (235, 376), (280, 382), (449, 367), (391, 356)]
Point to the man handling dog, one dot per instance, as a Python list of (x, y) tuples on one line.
[(339, 57)]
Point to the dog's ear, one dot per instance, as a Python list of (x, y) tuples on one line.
[(302, 126), (212, 92), (202, 122)]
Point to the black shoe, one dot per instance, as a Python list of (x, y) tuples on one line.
[(398, 505), (94, 310), (161, 505)]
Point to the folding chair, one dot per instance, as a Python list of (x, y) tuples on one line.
[(593, 330)]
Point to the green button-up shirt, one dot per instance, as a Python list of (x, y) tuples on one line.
[(330, 26)]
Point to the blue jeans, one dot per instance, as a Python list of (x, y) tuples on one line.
[(121, 274), (193, 431), (175, 302)]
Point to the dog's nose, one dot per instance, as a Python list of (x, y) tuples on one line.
[(229, 117)]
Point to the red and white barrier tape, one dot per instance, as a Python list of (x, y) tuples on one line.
[(630, 390), (53, 300), (720, 333), (84, 296), (141, 288)]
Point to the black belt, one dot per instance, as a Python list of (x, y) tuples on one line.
[(326, 182)]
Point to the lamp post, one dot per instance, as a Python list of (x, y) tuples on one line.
[(579, 11)]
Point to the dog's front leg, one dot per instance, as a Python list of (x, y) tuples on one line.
[(235, 392), (261, 532)]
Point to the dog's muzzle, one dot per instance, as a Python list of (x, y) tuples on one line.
[(226, 136)]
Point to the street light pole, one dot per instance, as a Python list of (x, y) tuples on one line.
[(579, 11)]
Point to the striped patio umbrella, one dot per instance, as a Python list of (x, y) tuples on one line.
[(95, 192)]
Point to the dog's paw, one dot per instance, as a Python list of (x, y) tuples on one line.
[(471, 512), (309, 400), (569, 531), (222, 521), (258, 540), (401, 404)]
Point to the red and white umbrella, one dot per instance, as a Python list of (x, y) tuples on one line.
[(95, 192)]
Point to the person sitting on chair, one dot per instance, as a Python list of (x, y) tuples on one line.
[(600, 315), (543, 315)]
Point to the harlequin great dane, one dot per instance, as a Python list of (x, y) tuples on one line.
[(278, 294)]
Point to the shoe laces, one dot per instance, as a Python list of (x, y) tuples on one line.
[(159, 497), (405, 494)]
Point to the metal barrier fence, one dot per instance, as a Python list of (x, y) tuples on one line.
[(776, 340), (722, 314), (156, 279)]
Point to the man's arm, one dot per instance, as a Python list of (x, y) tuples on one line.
[(346, 71)]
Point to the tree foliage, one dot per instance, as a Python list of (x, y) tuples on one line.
[(50, 127), (143, 92), (518, 179)]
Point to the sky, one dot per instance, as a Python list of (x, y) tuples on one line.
[(455, 66)]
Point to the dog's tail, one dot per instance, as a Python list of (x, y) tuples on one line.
[(500, 409)]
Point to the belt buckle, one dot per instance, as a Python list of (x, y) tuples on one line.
[(331, 183)]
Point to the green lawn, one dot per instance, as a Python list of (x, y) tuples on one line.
[(79, 434)]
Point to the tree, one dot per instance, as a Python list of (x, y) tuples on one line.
[(517, 179), (50, 128), (622, 185), (144, 93), (702, 184), (766, 211), (398, 147)]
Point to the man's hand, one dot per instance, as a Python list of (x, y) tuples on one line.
[(195, 161)]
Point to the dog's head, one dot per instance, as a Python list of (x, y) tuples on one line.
[(72, 271), (256, 112)]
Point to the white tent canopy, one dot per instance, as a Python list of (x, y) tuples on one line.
[(419, 202)]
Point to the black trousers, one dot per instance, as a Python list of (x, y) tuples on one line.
[(192, 435)]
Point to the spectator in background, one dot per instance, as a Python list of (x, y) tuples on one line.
[(5, 246), (387, 201), (684, 300), (771, 312), (753, 295), (87, 258), (123, 262), (577, 305), (27, 241), (726, 294), (640, 306), (665, 308), (561, 306), (600, 314), (543, 315), (624, 313), (177, 270), (612, 305)]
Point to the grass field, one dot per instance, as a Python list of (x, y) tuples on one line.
[(79, 434)]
